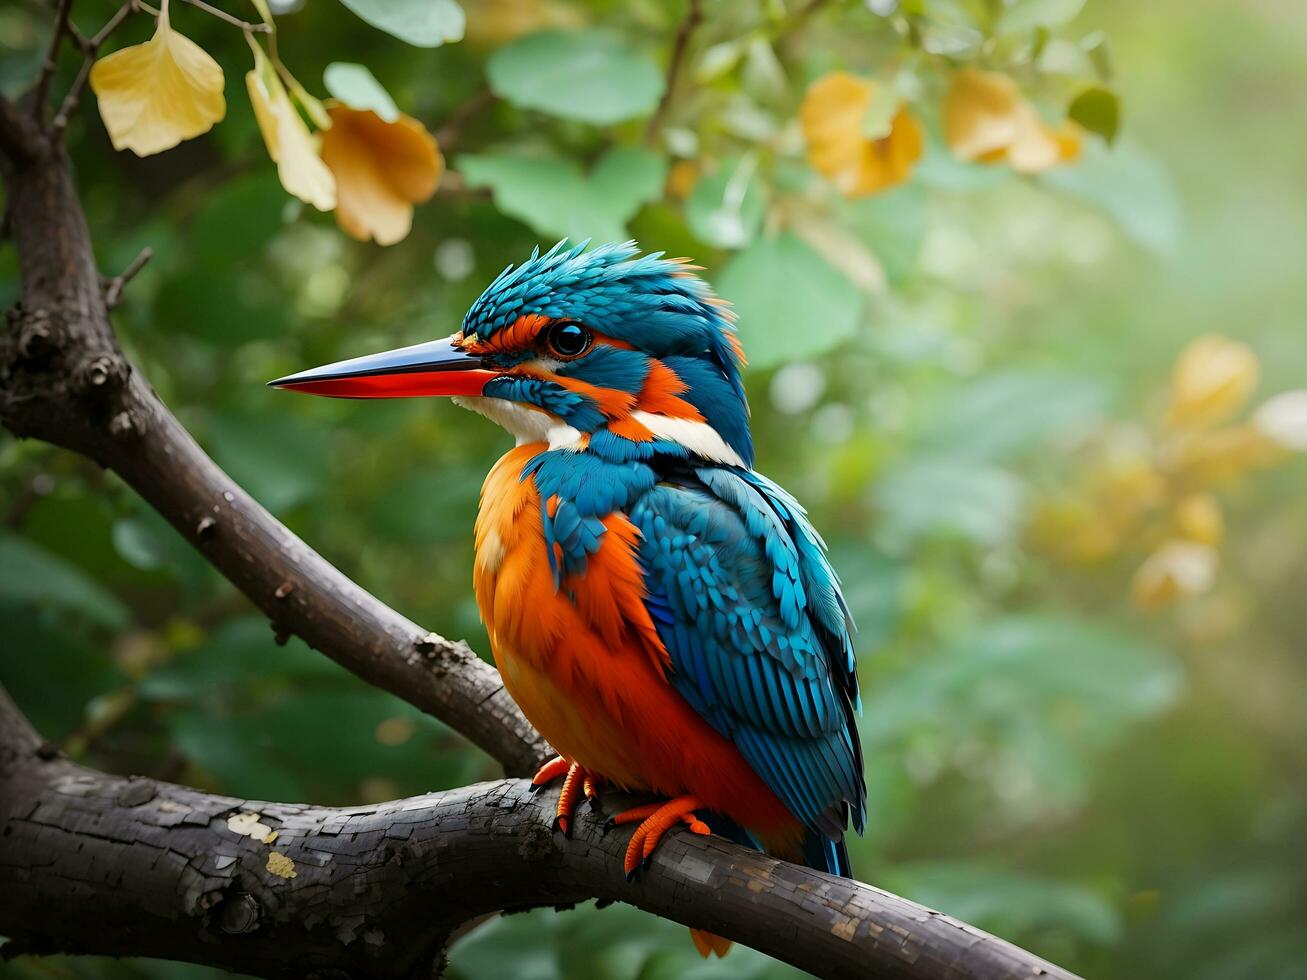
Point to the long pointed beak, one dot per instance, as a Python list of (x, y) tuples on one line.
[(434, 368)]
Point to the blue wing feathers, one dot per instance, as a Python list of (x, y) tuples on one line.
[(749, 609), (751, 613)]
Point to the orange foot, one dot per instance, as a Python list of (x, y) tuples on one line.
[(576, 781), (655, 820)]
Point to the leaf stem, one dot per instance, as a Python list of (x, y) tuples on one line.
[(222, 15), (693, 17)]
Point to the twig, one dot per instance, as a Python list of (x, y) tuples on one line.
[(244, 25), (448, 134), (693, 17), (113, 292), (90, 48), (51, 64)]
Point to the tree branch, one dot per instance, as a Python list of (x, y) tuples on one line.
[(92, 863), (693, 17), (64, 379), (21, 141), (90, 47), (51, 63)]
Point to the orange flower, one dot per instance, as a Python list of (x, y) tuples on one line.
[(986, 120), (381, 168), (832, 116)]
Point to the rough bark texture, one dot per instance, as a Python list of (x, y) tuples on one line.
[(64, 379), (102, 864)]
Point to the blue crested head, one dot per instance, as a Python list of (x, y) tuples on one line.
[(633, 352)]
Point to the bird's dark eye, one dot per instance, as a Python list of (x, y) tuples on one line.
[(568, 339)]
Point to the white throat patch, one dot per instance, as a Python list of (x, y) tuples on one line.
[(528, 425), (524, 423)]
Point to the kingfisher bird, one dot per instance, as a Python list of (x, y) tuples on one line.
[(663, 614)]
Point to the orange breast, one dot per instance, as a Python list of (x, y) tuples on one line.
[(589, 671)]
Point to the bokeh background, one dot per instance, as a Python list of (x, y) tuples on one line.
[(1082, 632)]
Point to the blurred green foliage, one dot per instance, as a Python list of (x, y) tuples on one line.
[(1120, 792)]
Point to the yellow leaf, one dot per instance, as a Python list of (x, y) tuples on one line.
[(986, 120), (1207, 459), (381, 168), (291, 146), (154, 95), (1197, 517), (1213, 378), (832, 115), (1175, 570), (981, 113)]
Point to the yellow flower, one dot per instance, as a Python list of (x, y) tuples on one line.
[(832, 117), (1212, 379), (291, 146), (154, 95), (986, 120), (382, 169), (1174, 570)]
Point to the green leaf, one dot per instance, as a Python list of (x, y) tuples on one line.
[(32, 576), (1041, 694), (1131, 187), (358, 88), (1098, 110), (1008, 412), (279, 458), (553, 197), (422, 23), (315, 742), (792, 303), (592, 76), (241, 652), (1008, 902), (940, 497), (238, 219), (135, 542), (726, 207), (892, 224), (51, 671), (227, 310), (1026, 15)]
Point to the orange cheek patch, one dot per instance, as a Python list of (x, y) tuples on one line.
[(659, 396), (613, 402)]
